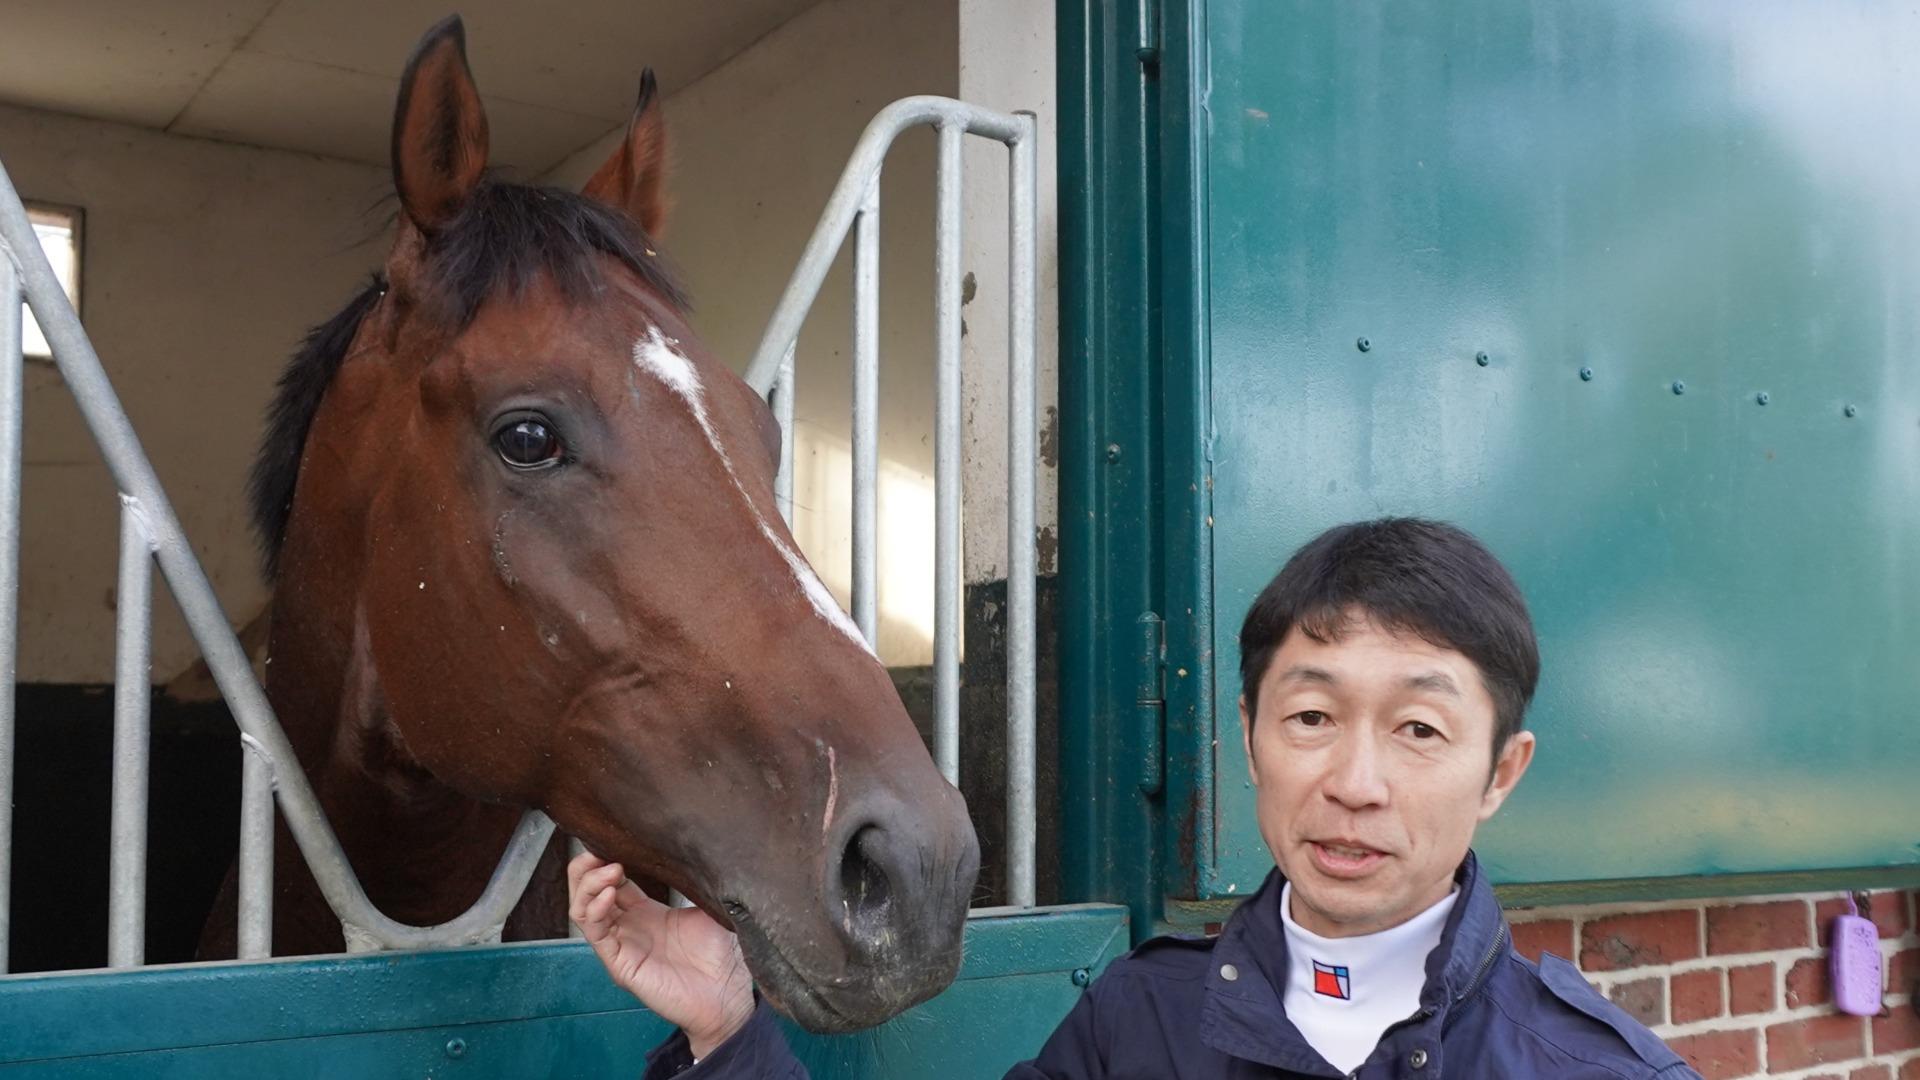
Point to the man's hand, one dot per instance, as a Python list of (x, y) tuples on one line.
[(677, 961)]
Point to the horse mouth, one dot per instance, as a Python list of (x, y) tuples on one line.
[(788, 991), (812, 1003)]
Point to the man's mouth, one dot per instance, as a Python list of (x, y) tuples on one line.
[(1345, 858)]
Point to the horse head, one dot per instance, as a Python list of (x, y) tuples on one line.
[(546, 513)]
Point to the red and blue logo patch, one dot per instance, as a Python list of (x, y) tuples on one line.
[(1331, 981)]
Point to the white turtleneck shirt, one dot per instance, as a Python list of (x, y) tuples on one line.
[(1344, 993)]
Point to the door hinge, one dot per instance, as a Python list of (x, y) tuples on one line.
[(1150, 699), (1147, 50)]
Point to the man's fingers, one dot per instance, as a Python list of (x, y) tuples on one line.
[(579, 865), (603, 895), (600, 907), (632, 896), (589, 883), (606, 877)]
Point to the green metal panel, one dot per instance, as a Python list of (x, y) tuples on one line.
[(1698, 202), (1112, 481), (509, 1011)]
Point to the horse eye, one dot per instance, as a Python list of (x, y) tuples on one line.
[(528, 444)]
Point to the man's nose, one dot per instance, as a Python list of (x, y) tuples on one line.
[(1357, 779)]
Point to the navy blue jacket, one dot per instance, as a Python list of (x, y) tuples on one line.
[(1164, 1012)]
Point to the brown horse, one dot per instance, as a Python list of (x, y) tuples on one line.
[(525, 550)]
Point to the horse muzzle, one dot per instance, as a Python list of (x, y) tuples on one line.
[(884, 930)]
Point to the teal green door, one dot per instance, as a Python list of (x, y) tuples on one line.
[(1631, 290)]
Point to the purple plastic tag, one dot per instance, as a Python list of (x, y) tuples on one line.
[(1854, 962)]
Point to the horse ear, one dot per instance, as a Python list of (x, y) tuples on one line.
[(439, 129), (634, 178)]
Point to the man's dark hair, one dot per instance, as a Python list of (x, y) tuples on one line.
[(1408, 576)]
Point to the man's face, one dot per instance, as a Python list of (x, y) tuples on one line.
[(1369, 757)]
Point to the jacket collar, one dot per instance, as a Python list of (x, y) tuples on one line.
[(1245, 1017)]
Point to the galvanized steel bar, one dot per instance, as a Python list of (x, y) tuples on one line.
[(575, 849), (866, 412), (946, 457), (80, 367), (11, 366), (783, 415), (132, 725), (1022, 815), (256, 853), (853, 196), (842, 206)]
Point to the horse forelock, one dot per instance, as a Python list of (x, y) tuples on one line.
[(505, 238), (509, 235)]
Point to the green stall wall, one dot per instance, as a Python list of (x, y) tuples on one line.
[(1630, 290), (509, 1012)]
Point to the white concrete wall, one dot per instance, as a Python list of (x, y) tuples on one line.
[(757, 146), (1007, 63), (204, 262)]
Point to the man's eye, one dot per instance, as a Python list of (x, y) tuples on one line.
[(1310, 718), (1423, 731)]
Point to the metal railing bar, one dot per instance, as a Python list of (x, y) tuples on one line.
[(947, 449), (80, 366), (1022, 816), (255, 934), (574, 850), (854, 207), (782, 401), (12, 366), (817, 258), (132, 735), (866, 412)]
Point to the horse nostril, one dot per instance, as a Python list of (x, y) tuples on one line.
[(865, 890)]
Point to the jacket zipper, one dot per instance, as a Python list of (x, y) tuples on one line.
[(1473, 985), (1480, 974)]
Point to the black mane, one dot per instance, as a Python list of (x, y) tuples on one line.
[(506, 236)]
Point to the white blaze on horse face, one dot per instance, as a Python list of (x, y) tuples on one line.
[(655, 355)]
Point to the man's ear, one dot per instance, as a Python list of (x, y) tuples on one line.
[(1246, 741), (1514, 759)]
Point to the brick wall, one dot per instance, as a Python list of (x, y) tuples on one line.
[(1739, 987)]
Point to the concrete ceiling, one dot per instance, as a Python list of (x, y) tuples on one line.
[(320, 75)]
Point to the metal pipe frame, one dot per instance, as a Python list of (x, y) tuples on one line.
[(12, 366), (132, 727), (575, 849), (1022, 542), (365, 926), (255, 931), (855, 205), (947, 448), (782, 401), (866, 412), (817, 258)]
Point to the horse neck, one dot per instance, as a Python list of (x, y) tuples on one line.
[(422, 850)]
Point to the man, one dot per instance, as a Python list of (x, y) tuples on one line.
[(1384, 675)]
